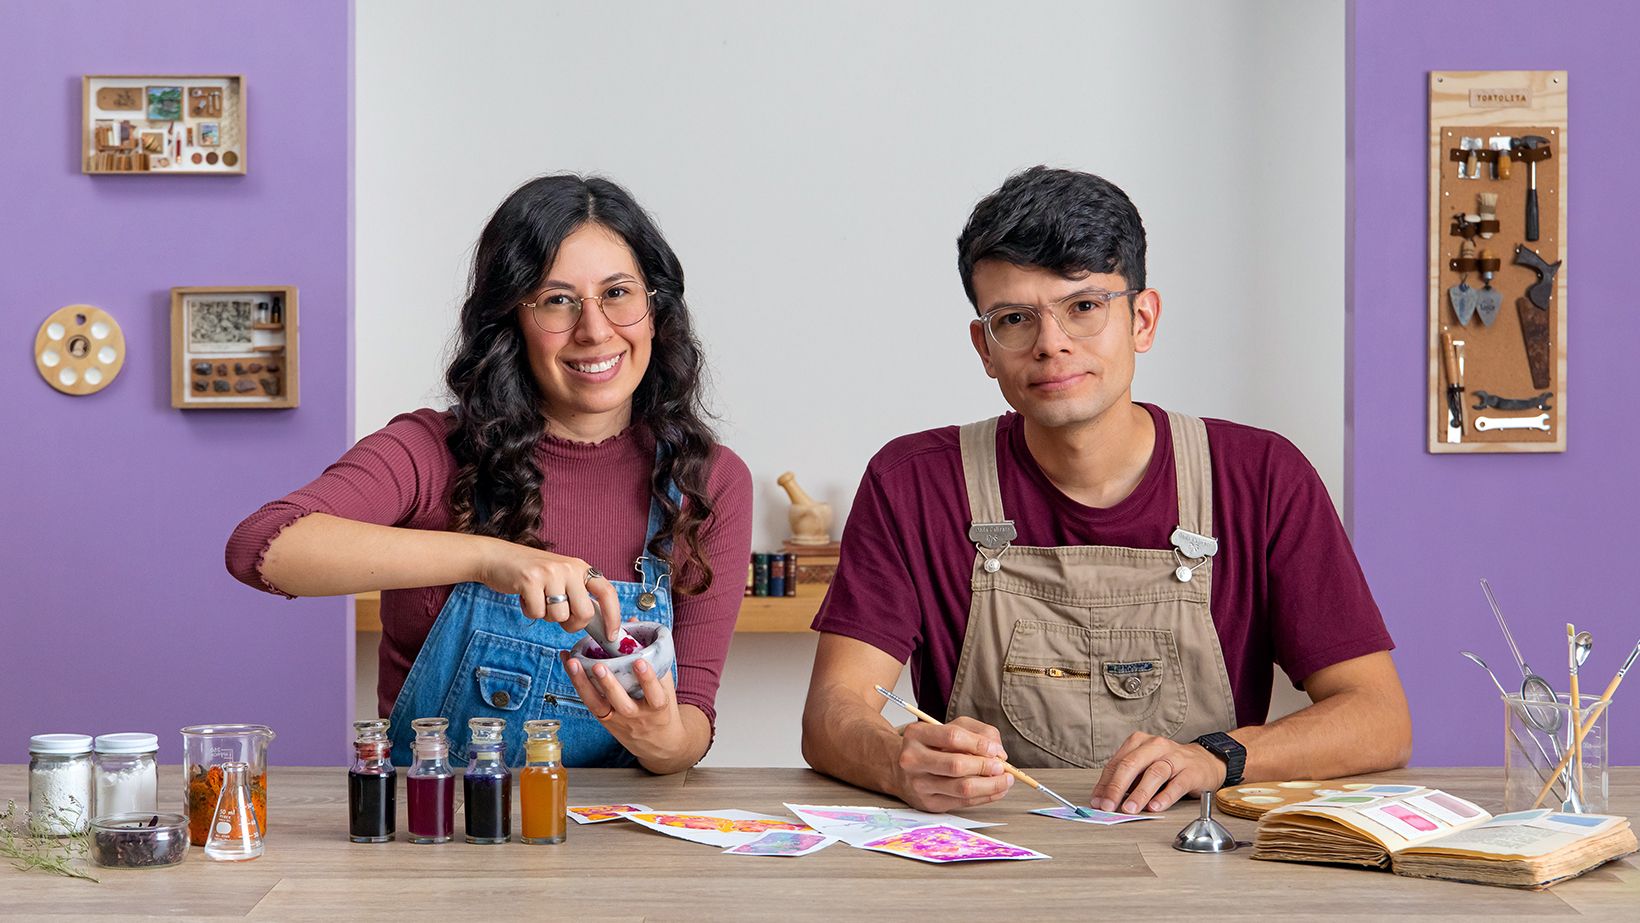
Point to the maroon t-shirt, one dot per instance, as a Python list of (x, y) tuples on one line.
[(1287, 588), (595, 506)]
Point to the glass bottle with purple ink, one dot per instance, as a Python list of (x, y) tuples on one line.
[(487, 784)]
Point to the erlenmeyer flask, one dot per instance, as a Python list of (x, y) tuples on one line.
[(235, 835)]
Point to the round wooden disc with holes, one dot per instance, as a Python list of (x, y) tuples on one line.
[(79, 349), (1253, 799)]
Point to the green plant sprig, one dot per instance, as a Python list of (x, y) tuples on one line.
[(26, 842)]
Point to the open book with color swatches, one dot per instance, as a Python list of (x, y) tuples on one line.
[(1428, 833)]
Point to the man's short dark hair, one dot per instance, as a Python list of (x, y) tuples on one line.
[(1062, 220)]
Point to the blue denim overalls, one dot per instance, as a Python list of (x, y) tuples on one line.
[(485, 659)]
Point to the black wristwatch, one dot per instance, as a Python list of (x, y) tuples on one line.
[(1226, 748)]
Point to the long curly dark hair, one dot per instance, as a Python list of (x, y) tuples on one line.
[(499, 417)]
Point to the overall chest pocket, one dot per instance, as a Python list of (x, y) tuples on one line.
[(1141, 685), (497, 677), (1079, 692), (1047, 682)]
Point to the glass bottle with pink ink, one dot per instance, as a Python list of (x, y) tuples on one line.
[(431, 783)]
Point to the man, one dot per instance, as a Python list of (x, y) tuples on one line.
[(1090, 582)]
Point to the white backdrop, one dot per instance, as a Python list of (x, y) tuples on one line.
[(812, 167)]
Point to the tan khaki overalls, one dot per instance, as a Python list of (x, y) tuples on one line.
[(1069, 650)]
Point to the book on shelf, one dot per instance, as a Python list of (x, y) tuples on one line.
[(760, 574), (777, 574), (1427, 833)]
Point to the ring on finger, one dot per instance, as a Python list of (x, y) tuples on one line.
[(555, 598), (593, 573)]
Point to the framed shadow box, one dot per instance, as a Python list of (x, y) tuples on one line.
[(163, 124), (234, 347)]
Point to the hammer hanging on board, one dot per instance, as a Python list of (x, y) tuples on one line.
[(1530, 144)]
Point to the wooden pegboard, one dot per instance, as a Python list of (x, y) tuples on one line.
[(1484, 104)]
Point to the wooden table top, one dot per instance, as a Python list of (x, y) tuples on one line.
[(1129, 872)]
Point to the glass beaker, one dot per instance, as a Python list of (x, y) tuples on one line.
[(1540, 758), (205, 748)]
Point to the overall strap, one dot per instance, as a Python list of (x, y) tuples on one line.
[(652, 568), (989, 526), (1193, 469)]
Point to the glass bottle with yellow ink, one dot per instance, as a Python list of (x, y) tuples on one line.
[(543, 785)]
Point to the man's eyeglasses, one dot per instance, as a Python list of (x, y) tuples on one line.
[(558, 310), (1081, 315)]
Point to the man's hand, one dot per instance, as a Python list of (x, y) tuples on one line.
[(955, 765), (1150, 773)]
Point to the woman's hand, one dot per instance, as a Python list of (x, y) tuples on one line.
[(652, 728), (549, 586)]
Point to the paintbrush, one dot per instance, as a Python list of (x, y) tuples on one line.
[(1576, 702), (1588, 723), (926, 718)]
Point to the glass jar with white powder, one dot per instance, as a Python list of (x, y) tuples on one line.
[(59, 783), (127, 775)]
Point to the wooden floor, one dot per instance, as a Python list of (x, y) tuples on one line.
[(619, 871)]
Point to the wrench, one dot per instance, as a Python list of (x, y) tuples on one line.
[(1484, 400), (1541, 421)]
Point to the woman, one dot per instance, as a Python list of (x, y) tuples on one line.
[(577, 447)]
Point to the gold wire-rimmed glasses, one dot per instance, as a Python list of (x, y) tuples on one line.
[(557, 310), (1081, 314)]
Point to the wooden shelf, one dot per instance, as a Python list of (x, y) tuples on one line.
[(781, 614), (758, 614), (367, 612)]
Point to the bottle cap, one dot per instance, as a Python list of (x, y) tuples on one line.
[(127, 743), (60, 744)]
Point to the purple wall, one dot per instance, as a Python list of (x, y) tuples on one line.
[(1549, 531), (117, 613)]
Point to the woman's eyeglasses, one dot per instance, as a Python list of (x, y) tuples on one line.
[(559, 310)]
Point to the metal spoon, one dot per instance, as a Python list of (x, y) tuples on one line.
[(1542, 772), (1582, 645), (1533, 688)]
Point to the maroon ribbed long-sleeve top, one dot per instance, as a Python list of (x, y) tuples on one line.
[(595, 499)]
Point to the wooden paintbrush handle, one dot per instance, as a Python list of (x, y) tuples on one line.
[(1008, 767), (1582, 732)]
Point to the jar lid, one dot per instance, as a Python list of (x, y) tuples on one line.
[(127, 743), (60, 743)]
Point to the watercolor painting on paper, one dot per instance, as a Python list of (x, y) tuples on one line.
[(1098, 818), (855, 824), (783, 843), (722, 828), (599, 813), (941, 843)]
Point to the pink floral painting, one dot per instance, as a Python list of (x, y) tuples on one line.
[(943, 843)]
